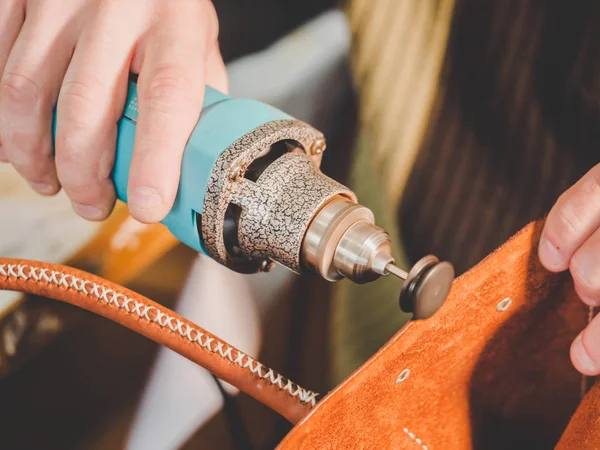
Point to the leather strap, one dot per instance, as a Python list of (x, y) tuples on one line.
[(163, 326)]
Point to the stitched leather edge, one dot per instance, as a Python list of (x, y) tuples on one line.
[(161, 325)]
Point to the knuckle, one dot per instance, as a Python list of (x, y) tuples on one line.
[(27, 153), (20, 92), (79, 112), (568, 218), (81, 173), (586, 278), (33, 167), (34, 172), (69, 146), (93, 192), (23, 144), (105, 3), (108, 5), (78, 102), (168, 89), (79, 185)]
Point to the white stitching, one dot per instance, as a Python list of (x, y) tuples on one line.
[(415, 438), (109, 296)]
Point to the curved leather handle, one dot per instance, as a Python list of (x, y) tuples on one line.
[(163, 326)]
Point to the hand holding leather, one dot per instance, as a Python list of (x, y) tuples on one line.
[(571, 240)]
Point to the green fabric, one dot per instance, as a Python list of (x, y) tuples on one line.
[(365, 316)]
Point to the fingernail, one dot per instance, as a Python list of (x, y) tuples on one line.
[(43, 188), (88, 212), (145, 199), (588, 300), (581, 357), (549, 255)]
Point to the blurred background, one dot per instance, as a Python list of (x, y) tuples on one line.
[(455, 121)]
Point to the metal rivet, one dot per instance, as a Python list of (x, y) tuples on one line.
[(504, 304), (237, 171), (318, 146), (403, 376), (267, 265)]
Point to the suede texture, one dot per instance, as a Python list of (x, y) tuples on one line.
[(583, 432), (481, 376)]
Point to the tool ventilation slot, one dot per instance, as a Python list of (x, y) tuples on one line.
[(258, 166), (230, 231)]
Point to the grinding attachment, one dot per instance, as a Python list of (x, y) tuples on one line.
[(426, 287)]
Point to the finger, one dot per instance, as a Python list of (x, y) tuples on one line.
[(571, 221), (585, 350), (89, 106), (171, 91), (29, 87), (12, 16), (216, 73), (585, 269)]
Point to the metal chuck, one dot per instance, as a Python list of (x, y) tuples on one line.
[(342, 241)]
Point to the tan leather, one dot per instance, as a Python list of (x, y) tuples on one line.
[(484, 372), (583, 431), (490, 370), (162, 326)]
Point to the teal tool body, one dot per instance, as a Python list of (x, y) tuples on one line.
[(224, 120), (252, 193)]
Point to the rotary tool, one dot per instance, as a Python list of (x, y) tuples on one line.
[(251, 193)]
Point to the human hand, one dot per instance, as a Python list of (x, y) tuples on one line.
[(571, 240), (77, 54)]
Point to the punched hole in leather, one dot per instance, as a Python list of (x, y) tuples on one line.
[(484, 372)]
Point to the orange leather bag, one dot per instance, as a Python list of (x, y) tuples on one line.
[(490, 370)]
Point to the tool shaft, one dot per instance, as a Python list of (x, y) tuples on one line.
[(396, 271)]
